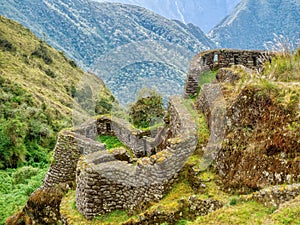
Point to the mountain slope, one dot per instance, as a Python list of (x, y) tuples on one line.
[(254, 22), (205, 14), (112, 39), (41, 92)]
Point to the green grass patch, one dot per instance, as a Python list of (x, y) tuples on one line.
[(170, 201), (110, 141), (153, 127), (69, 211), (206, 77), (241, 213), (115, 217), (289, 213)]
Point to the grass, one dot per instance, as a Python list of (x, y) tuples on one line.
[(41, 92), (39, 96), (241, 213), (288, 213), (150, 128), (206, 77), (170, 201), (203, 131), (110, 141), (69, 210), (284, 67)]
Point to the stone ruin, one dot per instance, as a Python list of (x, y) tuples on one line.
[(221, 58), (107, 181)]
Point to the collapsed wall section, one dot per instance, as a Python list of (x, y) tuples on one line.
[(105, 184)]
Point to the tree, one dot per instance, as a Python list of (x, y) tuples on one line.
[(147, 108)]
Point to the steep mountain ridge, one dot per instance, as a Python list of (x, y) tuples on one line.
[(111, 38), (254, 23), (37, 81), (205, 14)]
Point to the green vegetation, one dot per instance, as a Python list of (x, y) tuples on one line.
[(40, 95), (202, 126), (146, 111), (288, 213), (110, 141), (240, 213), (68, 209), (27, 133), (206, 77), (16, 185), (284, 67), (38, 89)]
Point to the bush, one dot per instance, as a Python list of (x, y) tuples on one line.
[(50, 73), (15, 188), (23, 173), (72, 63), (146, 110), (6, 45), (42, 52), (103, 106), (27, 131)]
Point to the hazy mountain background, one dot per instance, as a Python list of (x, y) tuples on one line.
[(131, 47), (128, 46), (203, 13), (254, 22)]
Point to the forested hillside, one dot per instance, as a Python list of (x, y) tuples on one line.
[(41, 92)]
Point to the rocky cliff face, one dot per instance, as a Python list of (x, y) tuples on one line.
[(254, 22), (128, 46)]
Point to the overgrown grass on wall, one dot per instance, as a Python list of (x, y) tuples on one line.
[(284, 67)]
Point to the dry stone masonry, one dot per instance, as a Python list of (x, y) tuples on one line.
[(105, 184), (109, 180), (221, 58), (275, 195), (69, 147)]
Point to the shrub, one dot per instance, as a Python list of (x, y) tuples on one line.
[(24, 173), (42, 52), (72, 63), (50, 73), (103, 106), (6, 45), (146, 109)]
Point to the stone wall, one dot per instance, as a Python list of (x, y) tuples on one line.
[(69, 147), (276, 195), (221, 58), (73, 143), (105, 184), (142, 143)]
